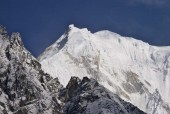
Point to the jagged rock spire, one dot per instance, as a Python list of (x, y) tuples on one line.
[(3, 30), (16, 39)]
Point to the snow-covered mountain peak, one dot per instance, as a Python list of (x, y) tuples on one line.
[(131, 68), (72, 29), (71, 36), (71, 26)]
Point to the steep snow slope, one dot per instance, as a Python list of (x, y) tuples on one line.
[(136, 71)]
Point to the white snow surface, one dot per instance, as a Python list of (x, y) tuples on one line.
[(136, 71)]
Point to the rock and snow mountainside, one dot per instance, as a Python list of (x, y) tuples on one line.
[(22, 82), (134, 70), (26, 89)]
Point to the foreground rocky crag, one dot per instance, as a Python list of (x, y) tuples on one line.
[(22, 82), (89, 97), (26, 89)]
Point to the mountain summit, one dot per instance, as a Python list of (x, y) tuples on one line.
[(136, 71)]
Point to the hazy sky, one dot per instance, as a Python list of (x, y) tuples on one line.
[(41, 22)]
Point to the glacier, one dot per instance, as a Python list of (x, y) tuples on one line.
[(136, 71)]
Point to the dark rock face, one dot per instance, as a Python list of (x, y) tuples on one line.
[(26, 89), (89, 97)]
